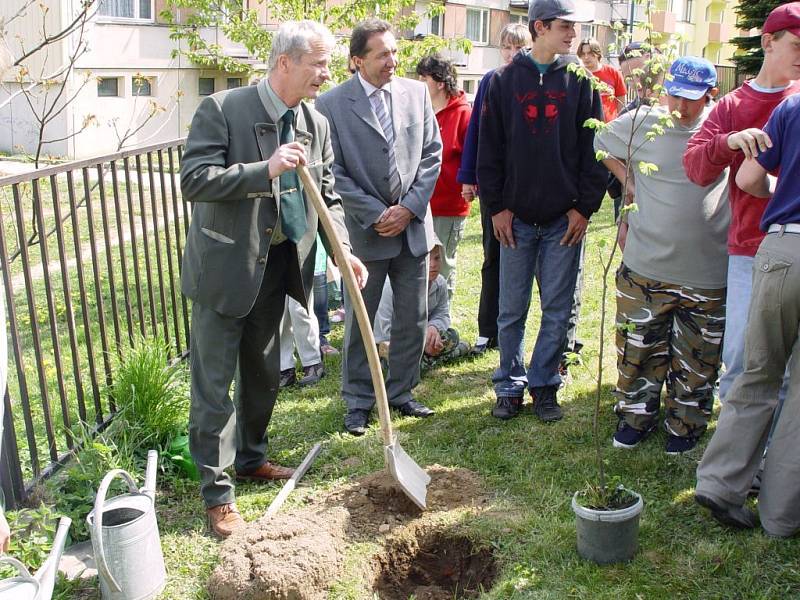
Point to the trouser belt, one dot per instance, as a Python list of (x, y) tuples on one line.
[(788, 228)]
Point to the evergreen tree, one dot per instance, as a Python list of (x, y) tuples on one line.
[(751, 14)]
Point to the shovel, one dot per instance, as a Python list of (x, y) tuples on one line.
[(413, 480)]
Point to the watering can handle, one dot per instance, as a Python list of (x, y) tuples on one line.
[(149, 488), (97, 526)]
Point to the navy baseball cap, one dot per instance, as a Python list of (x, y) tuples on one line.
[(542, 10), (690, 77)]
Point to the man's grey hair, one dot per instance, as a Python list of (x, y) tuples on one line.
[(294, 39)]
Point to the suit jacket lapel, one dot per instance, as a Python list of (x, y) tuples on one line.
[(399, 102), (361, 105)]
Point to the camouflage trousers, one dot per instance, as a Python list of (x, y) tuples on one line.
[(667, 333), (453, 349)]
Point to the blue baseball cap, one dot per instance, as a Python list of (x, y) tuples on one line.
[(690, 77)]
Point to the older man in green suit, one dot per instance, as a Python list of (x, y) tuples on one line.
[(251, 243)]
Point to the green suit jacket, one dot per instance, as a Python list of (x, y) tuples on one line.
[(224, 175)]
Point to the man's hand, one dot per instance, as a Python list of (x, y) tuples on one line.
[(502, 223), (433, 341), (576, 228), (750, 141), (5, 533), (359, 270), (393, 221), (622, 236), (469, 191), (286, 158)]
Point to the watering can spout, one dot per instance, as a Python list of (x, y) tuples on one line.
[(149, 488), (46, 575)]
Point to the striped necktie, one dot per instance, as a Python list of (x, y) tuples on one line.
[(293, 206), (384, 118)]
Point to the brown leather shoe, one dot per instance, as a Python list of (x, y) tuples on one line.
[(267, 472), (224, 519)]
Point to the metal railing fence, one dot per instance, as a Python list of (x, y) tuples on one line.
[(90, 252)]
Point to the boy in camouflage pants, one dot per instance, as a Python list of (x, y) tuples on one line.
[(671, 284)]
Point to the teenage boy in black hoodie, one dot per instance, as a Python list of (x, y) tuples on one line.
[(541, 182)]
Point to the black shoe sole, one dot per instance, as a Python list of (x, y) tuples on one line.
[(721, 513)]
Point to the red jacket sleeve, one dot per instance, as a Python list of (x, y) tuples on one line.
[(707, 154)]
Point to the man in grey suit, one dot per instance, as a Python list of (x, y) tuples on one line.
[(387, 156), (251, 243)]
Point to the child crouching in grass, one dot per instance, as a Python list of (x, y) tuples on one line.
[(442, 343)]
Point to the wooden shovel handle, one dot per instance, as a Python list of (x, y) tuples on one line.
[(355, 298)]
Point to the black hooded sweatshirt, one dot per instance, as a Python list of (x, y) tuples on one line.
[(535, 157)]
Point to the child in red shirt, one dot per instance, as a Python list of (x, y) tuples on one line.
[(613, 96)]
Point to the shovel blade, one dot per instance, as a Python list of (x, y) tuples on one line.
[(412, 478)]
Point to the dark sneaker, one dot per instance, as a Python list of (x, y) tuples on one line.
[(545, 404), (506, 408), (480, 349), (678, 445), (629, 437), (288, 378), (312, 375)]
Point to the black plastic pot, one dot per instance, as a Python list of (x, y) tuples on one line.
[(607, 536)]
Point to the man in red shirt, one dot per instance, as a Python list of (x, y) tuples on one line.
[(613, 93), (733, 132)]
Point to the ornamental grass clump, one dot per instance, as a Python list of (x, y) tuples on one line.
[(151, 394)]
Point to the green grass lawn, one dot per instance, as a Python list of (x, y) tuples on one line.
[(531, 468)]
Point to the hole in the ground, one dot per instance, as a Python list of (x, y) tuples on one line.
[(438, 565)]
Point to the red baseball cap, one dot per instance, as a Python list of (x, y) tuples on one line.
[(784, 17)]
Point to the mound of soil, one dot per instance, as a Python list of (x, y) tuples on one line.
[(292, 556), (298, 554)]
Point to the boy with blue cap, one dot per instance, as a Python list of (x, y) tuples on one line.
[(671, 283)]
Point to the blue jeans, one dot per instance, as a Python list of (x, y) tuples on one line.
[(538, 253), (740, 289)]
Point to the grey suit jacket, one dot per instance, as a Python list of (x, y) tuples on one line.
[(362, 169), (224, 174)]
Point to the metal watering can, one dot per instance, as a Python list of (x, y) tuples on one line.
[(127, 548), (27, 587)]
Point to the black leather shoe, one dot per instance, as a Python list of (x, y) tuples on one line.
[(312, 375), (412, 408), (480, 349), (288, 377), (738, 517), (355, 421)]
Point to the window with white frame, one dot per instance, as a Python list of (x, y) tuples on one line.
[(108, 87), (468, 85), (588, 30), (205, 86), (126, 9), (142, 86), (437, 24), (688, 10), (518, 18), (478, 25)]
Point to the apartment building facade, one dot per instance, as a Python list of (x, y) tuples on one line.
[(131, 74)]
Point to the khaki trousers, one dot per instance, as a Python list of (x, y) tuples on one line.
[(771, 343)]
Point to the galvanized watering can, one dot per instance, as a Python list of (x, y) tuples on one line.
[(25, 586), (127, 548)]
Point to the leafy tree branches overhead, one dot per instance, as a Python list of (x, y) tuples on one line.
[(242, 26)]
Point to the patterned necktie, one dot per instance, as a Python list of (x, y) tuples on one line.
[(379, 106), (293, 206)]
